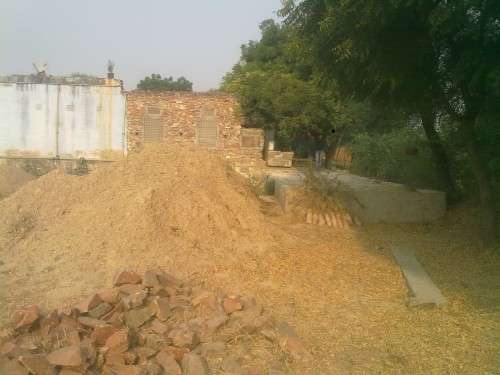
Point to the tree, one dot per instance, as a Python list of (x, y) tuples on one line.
[(425, 57), (380, 52), (278, 89), (466, 35), (156, 83)]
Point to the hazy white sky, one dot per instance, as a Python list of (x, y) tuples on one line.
[(199, 39)]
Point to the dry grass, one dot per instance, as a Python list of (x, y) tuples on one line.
[(340, 289)]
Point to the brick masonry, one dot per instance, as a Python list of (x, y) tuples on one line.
[(179, 114)]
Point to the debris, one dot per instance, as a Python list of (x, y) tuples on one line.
[(37, 364), (136, 318), (91, 302), (211, 348), (100, 310), (118, 341), (183, 337), (230, 365), (109, 295), (193, 364), (127, 277), (161, 307), (24, 319), (100, 334), (91, 322), (232, 304), (151, 279), (11, 367), (144, 340), (169, 364), (290, 342), (130, 289), (69, 357), (135, 300), (177, 353)]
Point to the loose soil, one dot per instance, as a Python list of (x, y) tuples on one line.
[(11, 179), (62, 237)]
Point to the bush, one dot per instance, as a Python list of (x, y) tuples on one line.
[(401, 156)]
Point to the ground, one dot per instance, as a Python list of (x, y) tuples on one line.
[(340, 289)]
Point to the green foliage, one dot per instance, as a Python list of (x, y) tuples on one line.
[(401, 156), (427, 58), (156, 83), (466, 34), (415, 55), (277, 89), (339, 65)]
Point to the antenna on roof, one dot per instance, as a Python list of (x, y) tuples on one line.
[(111, 68), (41, 69)]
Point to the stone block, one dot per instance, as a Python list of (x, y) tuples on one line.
[(279, 159)]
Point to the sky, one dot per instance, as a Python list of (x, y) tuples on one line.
[(198, 39)]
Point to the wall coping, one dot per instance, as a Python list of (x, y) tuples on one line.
[(178, 94)]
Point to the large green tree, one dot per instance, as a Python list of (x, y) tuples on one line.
[(424, 57), (157, 83), (278, 89), (466, 36), (364, 46)]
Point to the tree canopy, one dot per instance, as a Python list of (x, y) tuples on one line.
[(278, 89), (157, 83), (377, 71), (434, 59)]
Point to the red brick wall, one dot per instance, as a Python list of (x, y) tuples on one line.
[(180, 115)]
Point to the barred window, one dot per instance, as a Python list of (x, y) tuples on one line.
[(207, 128), (153, 126)]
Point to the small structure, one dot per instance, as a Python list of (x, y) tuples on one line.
[(279, 159), (48, 117), (48, 120), (207, 119)]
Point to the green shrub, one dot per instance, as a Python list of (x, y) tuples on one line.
[(401, 156)]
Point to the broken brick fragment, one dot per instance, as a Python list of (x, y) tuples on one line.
[(70, 356), (232, 304), (25, 318), (126, 277)]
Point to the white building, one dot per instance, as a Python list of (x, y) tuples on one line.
[(62, 117)]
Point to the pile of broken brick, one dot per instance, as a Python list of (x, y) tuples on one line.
[(150, 325), (338, 219)]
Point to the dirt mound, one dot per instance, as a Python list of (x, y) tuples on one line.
[(11, 179), (166, 206), (150, 325)]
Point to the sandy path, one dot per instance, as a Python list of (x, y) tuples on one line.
[(345, 297)]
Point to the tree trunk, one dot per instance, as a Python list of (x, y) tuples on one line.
[(330, 154), (439, 155), (483, 181)]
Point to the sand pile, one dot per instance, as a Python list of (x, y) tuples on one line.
[(11, 179), (166, 206)]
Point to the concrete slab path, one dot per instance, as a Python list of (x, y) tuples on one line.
[(424, 291)]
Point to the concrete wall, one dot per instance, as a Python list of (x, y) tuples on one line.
[(46, 120), (379, 201), (370, 200)]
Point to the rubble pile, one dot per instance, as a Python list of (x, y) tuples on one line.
[(150, 325), (338, 219)]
